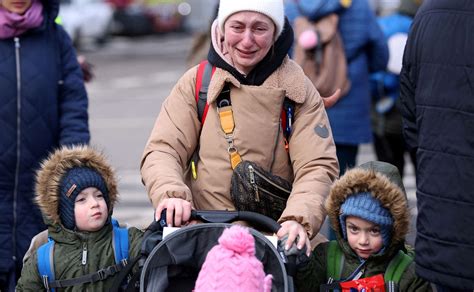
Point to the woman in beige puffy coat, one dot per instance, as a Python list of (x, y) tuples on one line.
[(250, 41)]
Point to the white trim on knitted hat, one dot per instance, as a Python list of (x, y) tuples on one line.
[(271, 8)]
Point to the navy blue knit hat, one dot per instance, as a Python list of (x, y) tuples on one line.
[(365, 206), (72, 183)]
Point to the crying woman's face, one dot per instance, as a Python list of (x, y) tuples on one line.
[(16, 6)]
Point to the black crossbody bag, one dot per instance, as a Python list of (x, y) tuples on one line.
[(257, 190)]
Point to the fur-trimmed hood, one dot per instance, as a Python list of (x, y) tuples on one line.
[(380, 182), (48, 178)]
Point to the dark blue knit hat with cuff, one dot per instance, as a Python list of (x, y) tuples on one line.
[(72, 183), (365, 206)]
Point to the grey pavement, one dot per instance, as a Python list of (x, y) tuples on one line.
[(133, 77)]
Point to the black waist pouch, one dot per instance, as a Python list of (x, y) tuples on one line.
[(257, 190)]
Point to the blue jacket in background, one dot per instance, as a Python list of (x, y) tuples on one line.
[(386, 83), (366, 52), (437, 96), (42, 105)]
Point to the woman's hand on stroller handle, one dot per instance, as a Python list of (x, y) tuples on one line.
[(296, 235), (178, 211)]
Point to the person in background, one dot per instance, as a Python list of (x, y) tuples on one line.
[(437, 97), (369, 211), (382, 8), (201, 43), (389, 143), (86, 67), (43, 105), (366, 52), (250, 43)]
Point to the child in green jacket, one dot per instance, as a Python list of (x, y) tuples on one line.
[(76, 190), (367, 208)]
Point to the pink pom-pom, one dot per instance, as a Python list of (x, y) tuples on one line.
[(238, 239), (308, 39), (267, 283)]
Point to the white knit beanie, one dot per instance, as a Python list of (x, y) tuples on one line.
[(271, 8)]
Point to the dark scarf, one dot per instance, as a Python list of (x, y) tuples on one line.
[(266, 67)]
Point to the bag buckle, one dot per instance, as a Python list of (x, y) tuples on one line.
[(46, 282), (105, 273), (101, 274)]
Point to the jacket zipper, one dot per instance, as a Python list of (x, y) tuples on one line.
[(270, 182), (18, 141), (277, 138), (84, 255), (275, 145), (252, 182)]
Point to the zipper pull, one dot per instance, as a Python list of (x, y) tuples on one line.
[(193, 170), (359, 274), (194, 161), (84, 254), (17, 42), (289, 124), (252, 182)]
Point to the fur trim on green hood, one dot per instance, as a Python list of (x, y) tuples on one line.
[(48, 178), (377, 179)]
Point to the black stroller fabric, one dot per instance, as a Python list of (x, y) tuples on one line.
[(175, 262)]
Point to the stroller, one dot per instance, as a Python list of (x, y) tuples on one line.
[(174, 262)]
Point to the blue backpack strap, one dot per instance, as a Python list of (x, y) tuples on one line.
[(45, 263), (120, 242)]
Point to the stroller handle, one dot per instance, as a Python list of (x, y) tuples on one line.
[(257, 219)]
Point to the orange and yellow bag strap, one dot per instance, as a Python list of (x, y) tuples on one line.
[(226, 118)]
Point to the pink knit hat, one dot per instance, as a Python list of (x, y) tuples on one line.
[(232, 266)]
